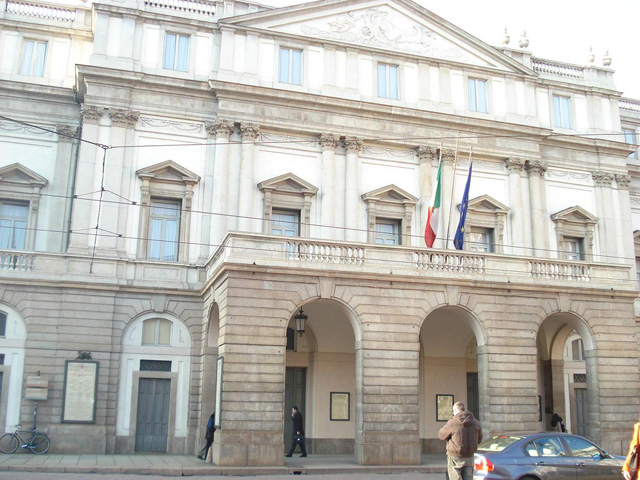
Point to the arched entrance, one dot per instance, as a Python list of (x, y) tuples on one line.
[(13, 337), (209, 369), (320, 378), (450, 370), (565, 372)]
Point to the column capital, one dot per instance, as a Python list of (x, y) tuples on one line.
[(448, 156), (602, 179), (536, 167), (353, 144), (249, 131), (623, 181), (220, 128), (92, 114), (515, 164), (66, 133), (123, 118), (425, 153), (329, 141)]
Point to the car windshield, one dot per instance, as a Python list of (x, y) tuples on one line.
[(497, 443)]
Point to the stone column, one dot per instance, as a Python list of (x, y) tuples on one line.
[(60, 186), (425, 155), (89, 160), (246, 194), (628, 249), (607, 228), (352, 195), (116, 182), (329, 142), (234, 156), (207, 198), (339, 188), (515, 166), (446, 187), (539, 215), (223, 129)]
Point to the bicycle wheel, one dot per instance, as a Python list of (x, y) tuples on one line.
[(8, 443), (39, 444)]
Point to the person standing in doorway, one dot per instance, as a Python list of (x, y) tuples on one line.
[(462, 434), (208, 436), (298, 433)]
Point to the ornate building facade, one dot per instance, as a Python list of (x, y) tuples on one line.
[(180, 181)]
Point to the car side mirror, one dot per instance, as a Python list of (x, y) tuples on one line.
[(597, 457)]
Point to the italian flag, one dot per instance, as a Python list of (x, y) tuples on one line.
[(431, 230)]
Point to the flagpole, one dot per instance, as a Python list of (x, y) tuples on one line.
[(453, 184)]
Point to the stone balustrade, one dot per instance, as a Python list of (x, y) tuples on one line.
[(186, 6), (629, 105), (17, 261), (41, 10), (557, 69)]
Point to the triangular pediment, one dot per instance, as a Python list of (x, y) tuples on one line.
[(575, 214), (393, 25), (488, 204), (18, 174), (390, 194), (168, 171), (288, 183)]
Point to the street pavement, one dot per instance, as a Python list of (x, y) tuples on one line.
[(339, 476)]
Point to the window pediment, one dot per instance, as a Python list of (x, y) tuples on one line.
[(19, 175), (391, 194), (288, 184), (487, 204), (575, 214), (168, 172)]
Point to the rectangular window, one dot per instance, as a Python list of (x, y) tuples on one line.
[(387, 81), (577, 350), (13, 225), (387, 232), (285, 222), (630, 137), (290, 66), (164, 230), (477, 95), (33, 56), (176, 52), (155, 365), (573, 248), (479, 240), (561, 111), (3, 324)]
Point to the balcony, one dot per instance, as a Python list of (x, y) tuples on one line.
[(315, 255)]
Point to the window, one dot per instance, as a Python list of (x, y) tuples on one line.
[(156, 331), (164, 230), (480, 239), (284, 222), (3, 324), (577, 350), (155, 365), (477, 95), (561, 111), (387, 81), (581, 448), (290, 66), (33, 56), (176, 52), (545, 447), (387, 232), (13, 225), (573, 248), (630, 137)]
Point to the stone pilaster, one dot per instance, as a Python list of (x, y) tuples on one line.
[(516, 166), (446, 185), (607, 228), (425, 154), (353, 146), (247, 193), (329, 143), (223, 130), (539, 214)]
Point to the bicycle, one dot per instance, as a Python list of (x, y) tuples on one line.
[(38, 441)]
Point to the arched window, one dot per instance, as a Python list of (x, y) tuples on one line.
[(156, 331)]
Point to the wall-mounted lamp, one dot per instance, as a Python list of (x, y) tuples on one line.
[(301, 322)]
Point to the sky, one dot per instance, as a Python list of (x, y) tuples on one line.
[(562, 30)]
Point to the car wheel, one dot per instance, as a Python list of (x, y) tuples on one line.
[(528, 477)]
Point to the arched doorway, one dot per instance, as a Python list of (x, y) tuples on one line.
[(13, 336), (209, 370), (320, 378), (565, 369), (450, 371)]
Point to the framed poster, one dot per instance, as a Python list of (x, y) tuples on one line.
[(219, 366), (79, 391), (339, 407), (444, 407)]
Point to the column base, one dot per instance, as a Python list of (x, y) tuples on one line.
[(388, 454), (248, 455)]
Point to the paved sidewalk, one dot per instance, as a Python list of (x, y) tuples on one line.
[(189, 465)]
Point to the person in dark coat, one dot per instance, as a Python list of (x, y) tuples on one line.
[(462, 434), (298, 433), (208, 436)]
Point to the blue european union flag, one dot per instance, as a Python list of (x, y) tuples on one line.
[(458, 240)]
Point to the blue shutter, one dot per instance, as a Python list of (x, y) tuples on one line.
[(182, 62), (169, 51), (296, 67), (382, 81), (393, 82), (284, 65), (473, 104), (482, 96)]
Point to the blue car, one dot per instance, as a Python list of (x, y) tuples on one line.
[(544, 456)]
